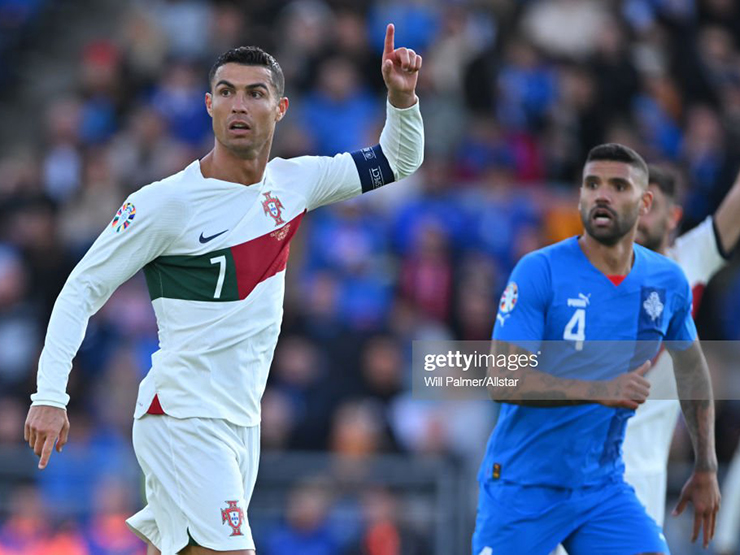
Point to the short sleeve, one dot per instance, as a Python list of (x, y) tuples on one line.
[(681, 329), (523, 305)]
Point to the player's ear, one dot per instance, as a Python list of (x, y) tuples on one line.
[(282, 108), (646, 202), (674, 218), (209, 104)]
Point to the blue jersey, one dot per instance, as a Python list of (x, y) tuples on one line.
[(556, 294)]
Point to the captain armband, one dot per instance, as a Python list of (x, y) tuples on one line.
[(373, 168)]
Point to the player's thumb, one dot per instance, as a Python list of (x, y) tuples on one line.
[(642, 370), (387, 67)]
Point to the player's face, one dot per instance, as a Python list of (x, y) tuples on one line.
[(245, 107), (613, 196), (655, 227)]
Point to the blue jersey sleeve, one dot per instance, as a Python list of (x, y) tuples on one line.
[(523, 306), (681, 328)]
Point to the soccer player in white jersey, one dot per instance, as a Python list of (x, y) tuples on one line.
[(701, 253), (213, 241)]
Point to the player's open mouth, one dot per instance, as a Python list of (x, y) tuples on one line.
[(602, 216), (239, 126)]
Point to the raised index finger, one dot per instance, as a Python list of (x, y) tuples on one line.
[(388, 48), (46, 451)]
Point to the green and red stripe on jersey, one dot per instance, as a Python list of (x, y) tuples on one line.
[(229, 274)]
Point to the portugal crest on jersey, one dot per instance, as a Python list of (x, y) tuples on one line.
[(273, 207), (124, 217), (234, 517)]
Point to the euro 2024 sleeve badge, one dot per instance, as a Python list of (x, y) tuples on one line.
[(507, 302), (124, 217)]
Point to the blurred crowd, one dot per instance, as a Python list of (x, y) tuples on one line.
[(513, 93)]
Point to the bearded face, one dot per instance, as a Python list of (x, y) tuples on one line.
[(612, 200)]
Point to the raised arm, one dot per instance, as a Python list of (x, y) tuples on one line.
[(727, 219), (400, 150)]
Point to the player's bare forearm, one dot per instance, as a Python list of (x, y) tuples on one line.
[(541, 389), (727, 218), (697, 403), (535, 388)]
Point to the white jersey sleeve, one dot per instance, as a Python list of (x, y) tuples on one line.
[(399, 154), (148, 221), (698, 253)]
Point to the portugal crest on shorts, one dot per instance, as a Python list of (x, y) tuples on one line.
[(273, 207), (234, 517)]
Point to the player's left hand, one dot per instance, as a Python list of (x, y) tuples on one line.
[(702, 490), (400, 67)]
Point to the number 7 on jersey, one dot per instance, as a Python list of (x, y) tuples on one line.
[(221, 261)]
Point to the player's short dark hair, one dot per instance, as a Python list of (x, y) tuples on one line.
[(251, 56), (663, 179), (618, 153)]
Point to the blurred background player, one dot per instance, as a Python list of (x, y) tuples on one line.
[(701, 253), (213, 241), (553, 471)]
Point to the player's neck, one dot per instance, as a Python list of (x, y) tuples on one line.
[(611, 260), (665, 246), (223, 164)]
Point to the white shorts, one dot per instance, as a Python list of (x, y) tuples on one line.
[(200, 473)]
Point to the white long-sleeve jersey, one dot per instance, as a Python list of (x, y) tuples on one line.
[(214, 255)]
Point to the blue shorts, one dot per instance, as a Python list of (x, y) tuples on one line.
[(607, 519)]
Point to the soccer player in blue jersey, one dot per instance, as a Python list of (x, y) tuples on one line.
[(553, 471)]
